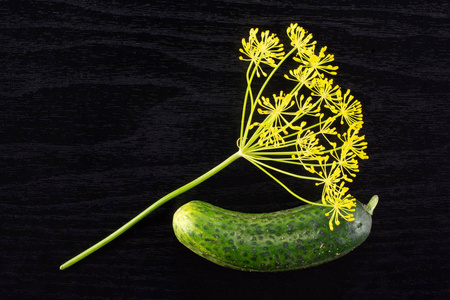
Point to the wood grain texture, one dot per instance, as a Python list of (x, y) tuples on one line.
[(107, 106)]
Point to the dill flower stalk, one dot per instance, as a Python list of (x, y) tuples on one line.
[(293, 132)]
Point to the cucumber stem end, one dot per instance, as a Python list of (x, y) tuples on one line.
[(371, 205)]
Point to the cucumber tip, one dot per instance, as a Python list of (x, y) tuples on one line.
[(371, 205)]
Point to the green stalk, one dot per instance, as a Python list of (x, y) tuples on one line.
[(256, 163), (249, 120), (282, 171), (148, 210), (247, 93)]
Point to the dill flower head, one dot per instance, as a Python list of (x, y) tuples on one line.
[(310, 130), (265, 50)]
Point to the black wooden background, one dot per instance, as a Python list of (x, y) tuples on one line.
[(107, 106)]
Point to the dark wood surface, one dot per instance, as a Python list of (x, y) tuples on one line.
[(105, 107)]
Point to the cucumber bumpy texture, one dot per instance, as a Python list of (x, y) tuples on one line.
[(285, 240)]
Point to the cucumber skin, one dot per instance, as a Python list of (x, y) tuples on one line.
[(285, 240)]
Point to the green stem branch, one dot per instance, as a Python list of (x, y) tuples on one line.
[(148, 210), (256, 163)]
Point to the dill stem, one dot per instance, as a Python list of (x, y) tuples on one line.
[(149, 209), (249, 120), (257, 164), (247, 93), (255, 161)]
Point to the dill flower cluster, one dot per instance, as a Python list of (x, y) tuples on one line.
[(310, 131)]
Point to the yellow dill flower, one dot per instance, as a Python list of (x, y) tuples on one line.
[(326, 91), (263, 51), (354, 143), (303, 75), (249, 48), (282, 103), (308, 146), (317, 62), (276, 124), (329, 175), (300, 39), (342, 205), (307, 106), (346, 161), (326, 126), (349, 110), (269, 46), (272, 136)]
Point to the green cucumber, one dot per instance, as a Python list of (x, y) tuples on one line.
[(285, 240)]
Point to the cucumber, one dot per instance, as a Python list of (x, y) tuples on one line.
[(285, 240)]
